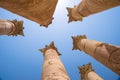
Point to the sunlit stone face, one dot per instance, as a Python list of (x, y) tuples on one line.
[(5, 27), (57, 77), (50, 52), (40, 11)]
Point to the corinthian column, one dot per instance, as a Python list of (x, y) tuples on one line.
[(107, 54), (13, 27), (87, 73), (40, 11), (89, 7), (53, 69)]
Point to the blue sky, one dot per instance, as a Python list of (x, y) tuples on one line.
[(20, 58)]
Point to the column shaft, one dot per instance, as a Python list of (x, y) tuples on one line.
[(107, 54), (93, 76), (88, 7), (40, 11), (5, 27), (53, 69)]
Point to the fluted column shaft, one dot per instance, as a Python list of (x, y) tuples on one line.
[(87, 73), (53, 69), (107, 54), (89, 7), (13, 27)]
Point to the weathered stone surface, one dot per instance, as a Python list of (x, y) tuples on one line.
[(51, 46), (107, 54), (17, 28), (89, 7), (53, 69), (40, 11), (87, 73), (76, 39), (5, 27)]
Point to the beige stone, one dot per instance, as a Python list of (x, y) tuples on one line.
[(107, 54), (93, 76), (40, 11), (89, 7), (87, 73), (13, 27), (53, 69)]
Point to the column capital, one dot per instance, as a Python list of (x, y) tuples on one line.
[(51, 46), (85, 69), (73, 14), (17, 28), (70, 14), (76, 39)]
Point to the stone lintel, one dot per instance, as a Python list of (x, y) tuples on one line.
[(76, 39), (17, 28), (51, 46), (85, 69), (72, 12)]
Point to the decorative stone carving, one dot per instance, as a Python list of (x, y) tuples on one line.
[(51, 46), (76, 39), (13, 27), (89, 7), (18, 28), (107, 54), (40, 11), (84, 70), (87, 73)]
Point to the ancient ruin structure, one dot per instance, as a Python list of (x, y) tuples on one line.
[(87, 73), (40, 11), (89, 7), (13, 27), (107, 54), (53, 69)]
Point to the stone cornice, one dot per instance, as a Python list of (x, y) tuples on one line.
[(51, 46), (84, 70), (76, 39), (17, 28)]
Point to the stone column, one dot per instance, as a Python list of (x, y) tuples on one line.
[(53, 69), (13, 27), (87, 73), (89, 7), (40, 11), (107, 54)]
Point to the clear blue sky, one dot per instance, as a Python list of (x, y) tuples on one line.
[(21, 60)]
